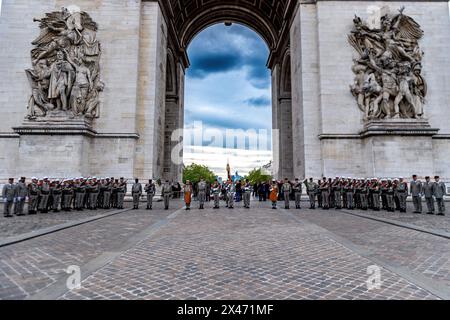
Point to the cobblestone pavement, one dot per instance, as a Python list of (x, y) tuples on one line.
[(248, 254), (228, 254), (31, 266)]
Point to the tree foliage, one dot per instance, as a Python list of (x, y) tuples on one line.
[(258, 176), (195, 172)]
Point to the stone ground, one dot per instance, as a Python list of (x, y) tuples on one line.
[(228, 254)]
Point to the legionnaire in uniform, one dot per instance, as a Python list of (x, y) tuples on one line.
[(336, 187), (44, 192), (202, 193), (298, 193), (383, 190), (67, 195), (319, 194), (121, 192), (344, 183), (363, 195), (247, 194), (56, 192), (188, 190), (114, 193), (358, 188), (215, 190), (150, 189), (375, 194), (349, 192), (415, 188), (8, 195), (33, 195), (396, 195), (80, 192), (439, 191), (273, 196), (166, 193), (402, 191), (21, 195), (107, 189), (136, 192), (93, 195), (286, 190), (390, 196), (311, 189), (325, 191), (231, 193), (428, 190)]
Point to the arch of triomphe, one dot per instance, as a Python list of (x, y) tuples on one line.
[(96, 87)]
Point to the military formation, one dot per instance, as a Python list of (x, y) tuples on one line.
[(46, 195)]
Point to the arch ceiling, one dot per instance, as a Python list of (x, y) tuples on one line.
[(186, 18)]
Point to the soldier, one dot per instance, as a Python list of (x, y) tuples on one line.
[(428, 190), (188, 190), (349, 192), (95, 191), (202, 193), (247, 194), (56, 191), (67, 195), (21, 195), (439, 191), (286, 190), (79, 190), (231, 193), (319, 194), (363, 194), (33, 195), (325, 192), (107, 189), (113, 187), (136, 192), (383, 190), (8, 195), (402, 191), (375, 194), (121, 192), (44, 192), (357, 187), (396, 195), (150, 189), (215, 190), (415, 189), (274, 194), (166, 193), (336, 187), (298, 193), (311, 189), (390, 196)]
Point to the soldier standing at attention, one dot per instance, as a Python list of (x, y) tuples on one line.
[(121, 192), (428, 190), (202, 193), (136, 192), (188, 190), (350, 191), (231, 193), (95, 191), (375, 191), (247, 194), (383, 189), (273, 196), (33, 194), (319, 194), (337, 190), (67, 194), (311, 189), (325, 192), (150, 189), (215, 190), (402, 191), (44, 192), (390, 196), (79, 189), (298, 193), (21, 195), (8, 195), (439, 191), (396, 195), (415, 188), (286, 190), (166, 193), (107, 194), (56, 192)]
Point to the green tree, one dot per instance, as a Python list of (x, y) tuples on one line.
[(258, 176), (195, 172)]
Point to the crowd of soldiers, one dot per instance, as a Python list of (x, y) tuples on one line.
[(339, 193), (46, 195)]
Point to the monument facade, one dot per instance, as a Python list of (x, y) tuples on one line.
[(359, 88)]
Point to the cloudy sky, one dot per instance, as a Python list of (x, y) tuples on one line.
[(228, 87)]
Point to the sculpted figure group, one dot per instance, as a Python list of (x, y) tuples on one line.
[(388, 70), (65, 78)]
